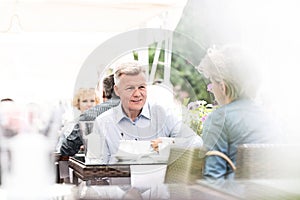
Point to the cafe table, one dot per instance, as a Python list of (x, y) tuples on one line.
[(95, 184), (117, 173), (232, 190)]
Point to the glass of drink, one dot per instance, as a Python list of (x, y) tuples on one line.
[(86, 128)]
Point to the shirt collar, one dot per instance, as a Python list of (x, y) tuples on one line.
[(120, 114)]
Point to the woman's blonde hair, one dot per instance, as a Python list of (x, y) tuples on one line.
[(236, 67), (83, 92)]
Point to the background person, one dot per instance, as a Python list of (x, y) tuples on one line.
[(72, 143), (85, 98), (235, 80), (109, 97), (6, 99)]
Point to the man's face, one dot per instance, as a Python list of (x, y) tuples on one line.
[(132, 90)]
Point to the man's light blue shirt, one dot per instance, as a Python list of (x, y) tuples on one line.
[(154, 121)]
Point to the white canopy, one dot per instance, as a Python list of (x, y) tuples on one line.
[(44, 43)]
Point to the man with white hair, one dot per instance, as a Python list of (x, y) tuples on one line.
[(135, 118)]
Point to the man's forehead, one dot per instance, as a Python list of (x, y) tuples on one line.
[(134, 83), (133, 78)]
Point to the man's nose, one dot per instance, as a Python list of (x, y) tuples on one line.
[(136, 92)]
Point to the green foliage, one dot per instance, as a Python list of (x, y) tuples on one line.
[(187, 81), (135, 55), (185, 77)]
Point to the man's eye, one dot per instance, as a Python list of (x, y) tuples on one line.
[(92, 101), (84, 101), (142, 87), (130, 88)]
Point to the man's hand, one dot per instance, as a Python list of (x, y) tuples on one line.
[(154, 144)]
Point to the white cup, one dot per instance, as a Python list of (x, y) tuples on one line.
[(164, 146)]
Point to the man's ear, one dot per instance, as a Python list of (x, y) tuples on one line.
[(116, 89)]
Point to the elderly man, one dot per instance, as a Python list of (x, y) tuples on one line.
[(135, 118)]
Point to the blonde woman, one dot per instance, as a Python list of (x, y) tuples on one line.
[(72, 143), (235, 80), (85, 98)]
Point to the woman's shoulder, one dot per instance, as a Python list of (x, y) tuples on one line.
[(234, 109)]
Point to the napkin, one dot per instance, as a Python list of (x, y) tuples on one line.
[(132, 149)]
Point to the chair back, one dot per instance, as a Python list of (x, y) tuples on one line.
[(268, 161), (186, 165)]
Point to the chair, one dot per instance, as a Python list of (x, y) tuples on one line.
[(186, 165), (62, 168), (268, 161)]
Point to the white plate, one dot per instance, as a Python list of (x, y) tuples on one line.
[(159, 158), (132, 157), (126, 157)]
